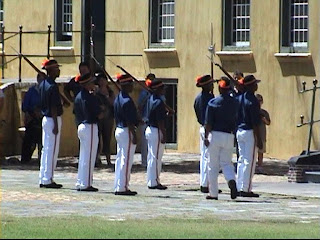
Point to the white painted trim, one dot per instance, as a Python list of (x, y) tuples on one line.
[(292, 55), (236, 53), (61, 48), (160, 50)]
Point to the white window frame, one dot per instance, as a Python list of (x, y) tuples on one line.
[(298, 16), (239, 28), (166, 19), (67, 17)]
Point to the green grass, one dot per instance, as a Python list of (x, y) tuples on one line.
[(96, 227)]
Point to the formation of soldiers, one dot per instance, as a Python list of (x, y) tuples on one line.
[(88, 110), (234, 114)]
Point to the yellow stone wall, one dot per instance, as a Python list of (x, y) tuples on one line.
[(281, 77)]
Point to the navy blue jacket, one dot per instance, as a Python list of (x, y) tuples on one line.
[(222, 113), (200, 105), (249, 111), (86, 107), (155, 111), (125, 112), (50, 97)]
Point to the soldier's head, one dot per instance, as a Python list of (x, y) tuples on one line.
[(224, 85), (52, 67), (126, 82), (87, 81), (250, 83), (157, 87), (84, 68), (205, 82)]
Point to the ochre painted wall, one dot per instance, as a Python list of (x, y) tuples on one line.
[(281, 77)]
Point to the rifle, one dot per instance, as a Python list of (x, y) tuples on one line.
[(64, 99), (168, 108), (106, 73)]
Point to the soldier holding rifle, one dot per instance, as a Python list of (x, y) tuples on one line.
[(200, 105), (126, 121), (51, 108), (88, 112)]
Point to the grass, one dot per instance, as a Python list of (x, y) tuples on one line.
[(98, 227)]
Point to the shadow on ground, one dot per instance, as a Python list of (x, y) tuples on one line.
[(271, 167)]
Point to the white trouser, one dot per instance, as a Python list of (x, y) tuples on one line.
[(88, 136), (143, 144), (124, 160), (204, 156), (155, 153), (247, 159), (50, 149), (220, 154)]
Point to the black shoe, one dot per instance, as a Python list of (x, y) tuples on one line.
[(159, 186), (127, 193), (204, 189), (248, 194), (233, 188), (51, 185), (88, 189), (211, 198)]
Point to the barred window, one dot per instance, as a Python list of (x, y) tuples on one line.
[(1, 14), (63, 21), (67, 17), (236, 23), (299, 23), (241, 22), (162, 17), (166, 21), (294, 25)]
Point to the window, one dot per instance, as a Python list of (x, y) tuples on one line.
[(63, 20), (1, 19), (237, 23), (294, 25), (162, 22)]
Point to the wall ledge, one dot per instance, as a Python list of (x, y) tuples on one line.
[(61, 48), (234, 53), (300, 55), (293, 57), (160, 50)]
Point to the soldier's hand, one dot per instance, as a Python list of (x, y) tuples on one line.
[(66, 104), (259, 143), (134, 139), (206, 142), (55, 130)]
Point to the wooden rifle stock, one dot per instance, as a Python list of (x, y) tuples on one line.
[(64, 99), (169, 109), (106, 73)]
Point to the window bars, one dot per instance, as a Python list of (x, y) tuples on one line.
[(241, 23), (166, 21), (299, 23)]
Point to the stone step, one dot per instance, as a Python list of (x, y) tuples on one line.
[(313, 176)]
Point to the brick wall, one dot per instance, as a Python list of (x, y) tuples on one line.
[(297, 173)]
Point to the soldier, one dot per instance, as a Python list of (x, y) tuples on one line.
[(88, 112), (32, 121), (155, 134), (125, 113), (142, 100), (51, 109), (248, 136), (200, 106), (73, 85), (106, 99), (220, 121)]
